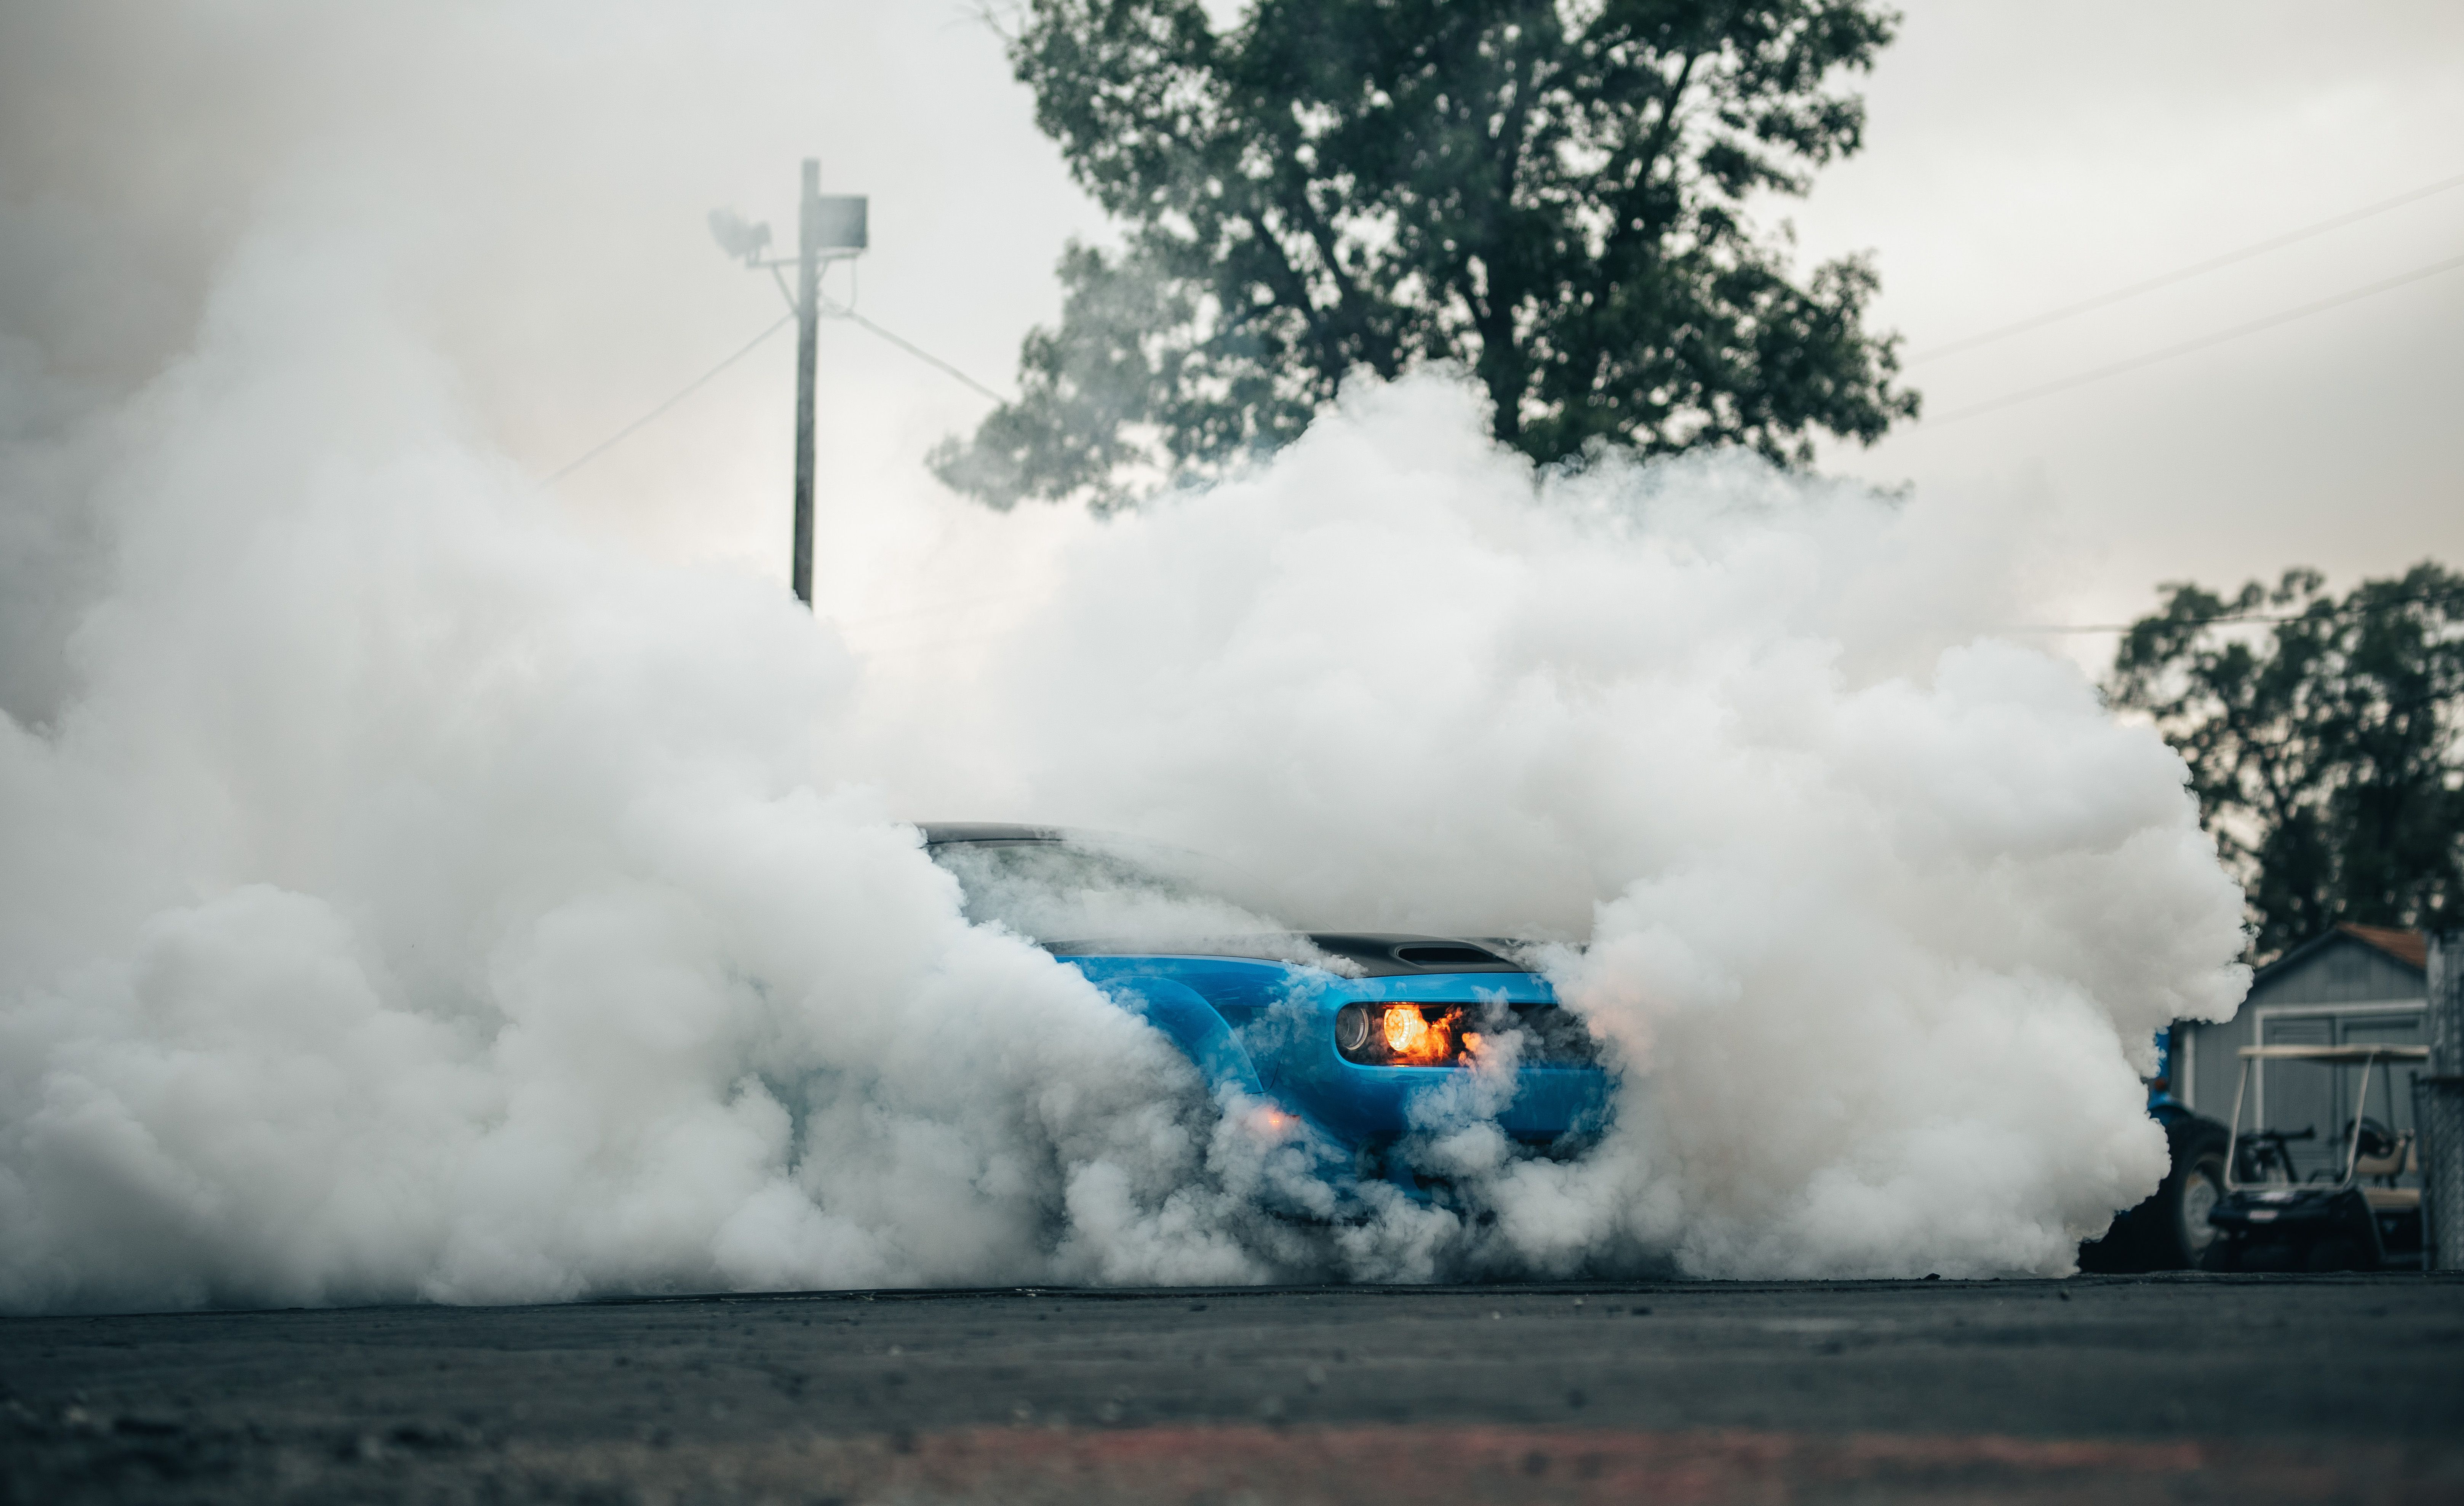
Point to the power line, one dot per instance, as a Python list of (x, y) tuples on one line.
[(746, 349), (2167, 279), (2202, 343), (918, 352), (681, 393), (2347, 610), (966, 639)]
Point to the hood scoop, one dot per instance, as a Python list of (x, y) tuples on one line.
[(1383, 956)]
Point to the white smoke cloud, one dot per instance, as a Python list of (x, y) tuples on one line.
[(1884, 954), (419, 899), (409, 891)]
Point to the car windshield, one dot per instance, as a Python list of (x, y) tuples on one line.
[(1049, 891)]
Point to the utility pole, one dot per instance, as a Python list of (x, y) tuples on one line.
[(828, 228), (808, 331)]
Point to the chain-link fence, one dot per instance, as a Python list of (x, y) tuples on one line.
[(2438, 1117), (2438, 1109)]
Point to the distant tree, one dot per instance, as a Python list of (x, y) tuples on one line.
[(1550, 193), (2323, 749)]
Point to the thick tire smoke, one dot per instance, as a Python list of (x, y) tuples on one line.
[(1882, 934), (410, 896)]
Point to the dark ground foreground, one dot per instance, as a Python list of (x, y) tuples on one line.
[(2172, 1389)]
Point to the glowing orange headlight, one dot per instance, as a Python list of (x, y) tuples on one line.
[(1407, 1031), (1403, 1034)]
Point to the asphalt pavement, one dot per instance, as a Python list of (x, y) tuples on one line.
[(2169, 1388)]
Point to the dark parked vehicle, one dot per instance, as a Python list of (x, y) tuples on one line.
[(2170, 1230)]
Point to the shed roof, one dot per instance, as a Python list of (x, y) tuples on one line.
[(2409, 947), (2412, 948)]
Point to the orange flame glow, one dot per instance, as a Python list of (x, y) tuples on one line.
[(1410, 1038)]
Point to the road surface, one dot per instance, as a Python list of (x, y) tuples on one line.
[(2170, 1389)]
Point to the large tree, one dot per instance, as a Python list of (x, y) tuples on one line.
[(2323, 742), (1550, 193)]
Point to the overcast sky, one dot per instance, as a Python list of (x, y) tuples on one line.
[(545, 168), (2024, 157)]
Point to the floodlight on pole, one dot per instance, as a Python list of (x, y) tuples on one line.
[(739, 240)]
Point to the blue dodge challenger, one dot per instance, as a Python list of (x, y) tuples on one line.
[(1347, 1030)]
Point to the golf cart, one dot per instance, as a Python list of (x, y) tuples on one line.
[(2349, 1216)]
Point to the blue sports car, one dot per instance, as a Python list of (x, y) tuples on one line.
[(1348, 1031)]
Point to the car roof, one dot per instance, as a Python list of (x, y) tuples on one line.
[(1374, 954), (1380, 955), (942, 833)]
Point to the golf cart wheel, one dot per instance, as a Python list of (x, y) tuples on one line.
[(2170, 1232), (2180, 1230)]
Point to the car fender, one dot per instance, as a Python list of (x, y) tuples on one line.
[(1183, 1014)]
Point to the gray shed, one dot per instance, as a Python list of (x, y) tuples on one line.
[(2355, 984)]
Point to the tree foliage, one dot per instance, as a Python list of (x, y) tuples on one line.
[(2324, 751), (1550, 193)]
